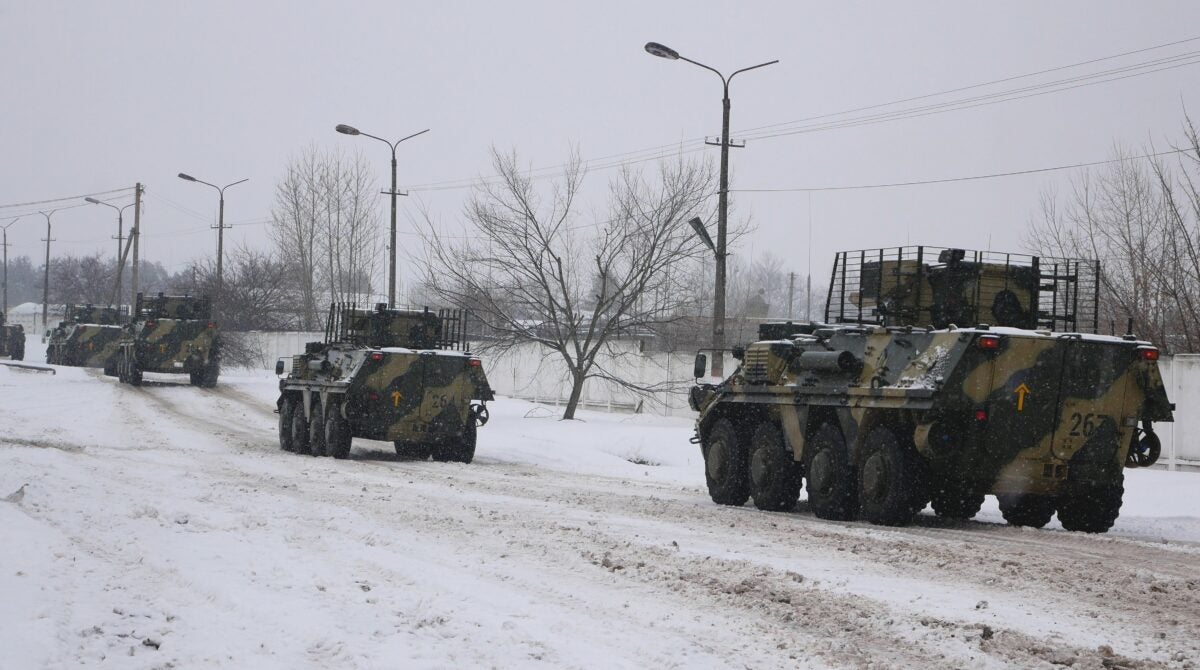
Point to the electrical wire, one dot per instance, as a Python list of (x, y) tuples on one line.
[(950, 180), (65, 198)]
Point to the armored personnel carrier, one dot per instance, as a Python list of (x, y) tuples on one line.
[(939, 375), (88, 337), (12, 340), (172, 334), (403, 376)]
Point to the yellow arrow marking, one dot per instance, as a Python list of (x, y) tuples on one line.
[(396, 398), (1021, 391)]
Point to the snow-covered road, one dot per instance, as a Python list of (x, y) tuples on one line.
[(162, 527)]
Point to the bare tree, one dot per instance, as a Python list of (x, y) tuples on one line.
[(325, 227), (534, 271)]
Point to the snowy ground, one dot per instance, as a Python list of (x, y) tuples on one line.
[(162, 527)]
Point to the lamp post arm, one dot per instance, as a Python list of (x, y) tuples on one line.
[(715, 71), (222, 188), (747, 69)]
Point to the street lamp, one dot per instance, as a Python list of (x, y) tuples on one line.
[(718, 340), (46, 277), (220, 229), (351, 130), (6, 227), (120, 238)]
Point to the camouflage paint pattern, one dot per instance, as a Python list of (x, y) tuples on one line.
[(173, 334), (1021, 418), (12, 340), (84, 344)]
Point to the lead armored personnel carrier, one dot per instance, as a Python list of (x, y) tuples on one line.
[(403, 376), (939, 375), (88, 336), (12, 340), (171, 334)]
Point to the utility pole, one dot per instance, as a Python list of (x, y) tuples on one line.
[(6, 227), (135, 233), (791, 293), (46, 277), (718, 337), (220, 233)]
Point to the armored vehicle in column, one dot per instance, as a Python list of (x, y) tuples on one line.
[(402, 376), (939, 375), (12, 340), (171, 334), (88, 336)]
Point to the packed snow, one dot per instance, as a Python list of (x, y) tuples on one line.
[(162, 527)]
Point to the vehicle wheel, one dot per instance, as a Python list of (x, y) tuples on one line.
[(889, 479), (194, 378), (18, 350), (110, 368), (726, 465), (286, 409), (831, 480), (1092, 509), (300, 430), (1026, 510), (133, 373), (414, 450), (337, 433), (775, 477), (316, 429), (956, 500), (466, 444), (209, 375)]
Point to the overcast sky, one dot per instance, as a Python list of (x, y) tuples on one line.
[(98, 96)]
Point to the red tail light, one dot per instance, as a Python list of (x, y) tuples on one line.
[(988, 342), (473, 363), (1147, 353), (372, 396), (981, 415), (211, 324), (376, 356)]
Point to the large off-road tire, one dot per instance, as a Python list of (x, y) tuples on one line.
[(300, 443), (209, 374), (418, 451), (726, 465), (337, 433), (1092, 509), (1026, 510), (830, 477), (286, 409), (316, 429), (775, 476), (133, 372), (18, 349), (889, 479), (111, 367), (955, 500)]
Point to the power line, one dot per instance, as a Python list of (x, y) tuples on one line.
[(949, 180), (657, 152), (68, 197)]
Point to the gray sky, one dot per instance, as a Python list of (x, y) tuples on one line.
[(100, 95)]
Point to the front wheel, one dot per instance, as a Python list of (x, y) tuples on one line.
[(316, 429), (775, 477), (725, 465), (300, 443), (287, 408), (1026, 510)]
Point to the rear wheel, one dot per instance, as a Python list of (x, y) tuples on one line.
[(300, 430), (889, 479), (1092, 509), (337, 433), (775, 477), (316, 429), (133, 372), (415, 450), (831, 480), (956, 500), (725, 465), (1026, 510), (286, 409), (209, 374)]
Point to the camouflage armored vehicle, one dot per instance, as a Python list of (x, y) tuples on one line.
[(87, 337), (172, 334), (12, 340), (403, 376), (940, 376)]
